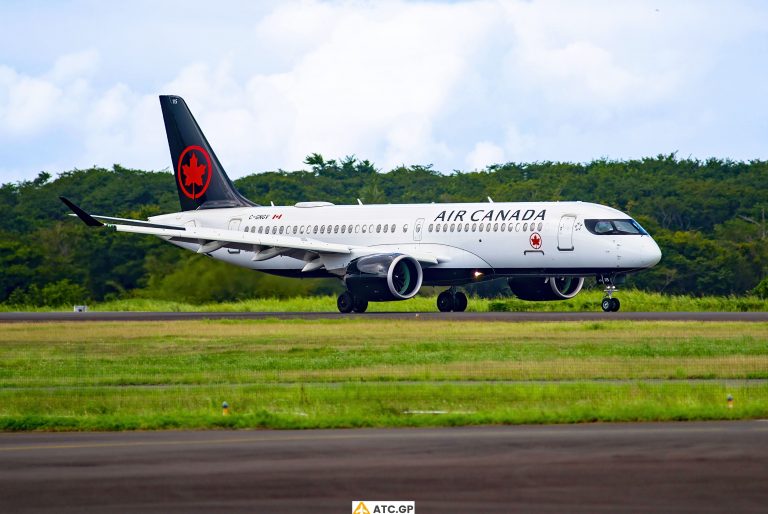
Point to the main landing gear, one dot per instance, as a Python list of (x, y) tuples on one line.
[(347, 303), (452, 300), (609, 303)]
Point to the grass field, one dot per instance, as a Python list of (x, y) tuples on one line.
[(358, 372), (588, 300)]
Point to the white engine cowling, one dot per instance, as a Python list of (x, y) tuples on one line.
[(384, 277), (542, 289)]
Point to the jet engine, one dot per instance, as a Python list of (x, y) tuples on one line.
[(384, 277), (540, 289)]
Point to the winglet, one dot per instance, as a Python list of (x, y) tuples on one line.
[(87, 218)]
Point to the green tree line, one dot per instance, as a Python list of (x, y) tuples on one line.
[(707, 216)]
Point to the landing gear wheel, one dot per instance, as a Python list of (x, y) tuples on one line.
[(445, 302), (460, 302), (359, 304), (609, 303), (345, 302)]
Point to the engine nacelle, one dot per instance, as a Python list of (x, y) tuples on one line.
[(384, 277), (542, 289)]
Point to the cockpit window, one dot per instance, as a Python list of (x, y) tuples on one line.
[(603, 227), (615, 227)]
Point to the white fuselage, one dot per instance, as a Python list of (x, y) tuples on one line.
[(473, 240)]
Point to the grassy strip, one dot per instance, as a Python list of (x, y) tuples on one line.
[(269, 351), (368, 372), (367, 405), (588, 300)]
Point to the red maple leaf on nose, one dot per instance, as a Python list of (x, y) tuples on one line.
[(535, 240), (193, 172)]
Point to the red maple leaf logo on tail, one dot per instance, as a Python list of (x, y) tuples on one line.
[(193, 172)]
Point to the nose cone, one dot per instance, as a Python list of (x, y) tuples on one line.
[(651, 254)]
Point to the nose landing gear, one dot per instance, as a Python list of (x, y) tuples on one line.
[(609, 303), (452, 300)]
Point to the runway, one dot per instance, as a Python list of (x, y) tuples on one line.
[(704, 467), (8, 317)]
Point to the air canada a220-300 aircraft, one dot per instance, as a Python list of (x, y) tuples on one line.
[(388, 252)]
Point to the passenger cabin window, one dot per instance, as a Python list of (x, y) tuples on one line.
[(615, 227)]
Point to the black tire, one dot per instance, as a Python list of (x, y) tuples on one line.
[(615, 305), (445, 302), (359, 304), (606, 304), (345, 302), (460, 302)]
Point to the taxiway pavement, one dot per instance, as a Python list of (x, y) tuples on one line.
[(701, 467)]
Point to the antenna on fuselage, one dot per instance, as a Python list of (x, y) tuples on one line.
[(359, 202), (490, 200)]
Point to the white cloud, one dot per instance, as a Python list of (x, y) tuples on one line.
[(483, 154), (29, 103), (454, 84), (74, 66)]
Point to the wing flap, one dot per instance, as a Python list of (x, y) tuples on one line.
[(237, 238)]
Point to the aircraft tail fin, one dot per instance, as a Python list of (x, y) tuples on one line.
[(200, 179)]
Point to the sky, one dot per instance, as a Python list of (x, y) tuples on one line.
[(458, 85)]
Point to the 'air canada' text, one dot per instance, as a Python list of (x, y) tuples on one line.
[(492, 215)]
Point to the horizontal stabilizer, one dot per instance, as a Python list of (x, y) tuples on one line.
[(87, 218), (93, 220)]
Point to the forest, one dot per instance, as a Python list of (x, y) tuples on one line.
[(708, 217)]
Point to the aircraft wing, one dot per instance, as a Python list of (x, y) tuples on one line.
[(265, 246)]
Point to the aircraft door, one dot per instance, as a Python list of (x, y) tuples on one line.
[(417, 228), (565, 233), (234, 224)]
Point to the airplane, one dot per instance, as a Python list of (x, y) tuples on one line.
[(381, 253)]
